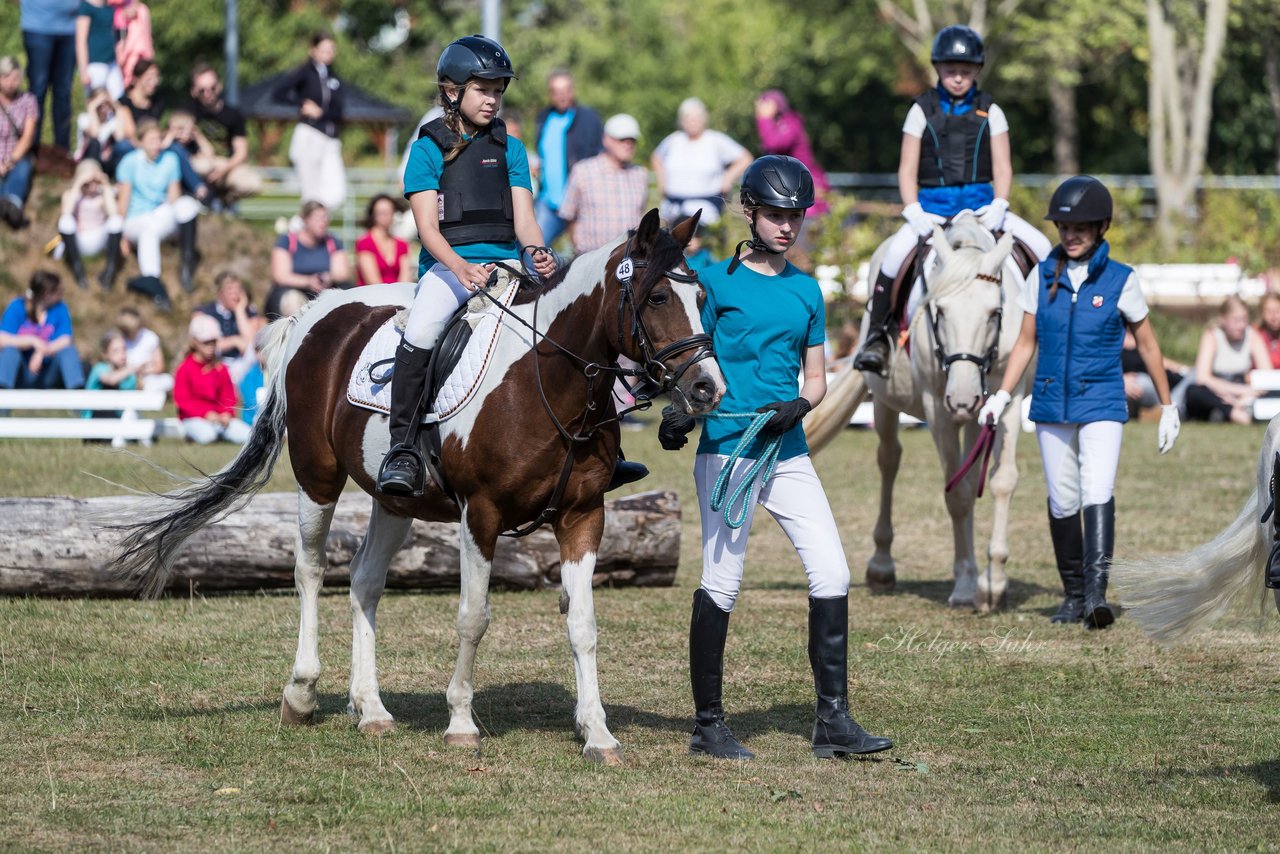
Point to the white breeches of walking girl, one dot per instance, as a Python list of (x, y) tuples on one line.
[(145, 231), (438, 296), (318, 159), (1080, 463), (904, 241), (795, 497), (90, 241)]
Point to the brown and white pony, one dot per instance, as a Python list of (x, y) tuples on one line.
[(502, 454)]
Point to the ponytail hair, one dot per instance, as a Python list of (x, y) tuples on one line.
[(453, 118), (41, 285)]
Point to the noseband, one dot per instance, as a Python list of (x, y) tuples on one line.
[(985, 361)]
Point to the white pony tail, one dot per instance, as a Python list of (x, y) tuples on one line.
[(1175, 596)]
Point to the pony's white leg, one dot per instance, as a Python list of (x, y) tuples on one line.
[(473, 621), (994, 583), (946, 440), (579, 542), (310, 562), (881, 571), (368, 577)]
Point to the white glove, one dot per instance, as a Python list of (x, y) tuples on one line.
[(1170, 424), (920, 221), (993, 216), (994, 407)]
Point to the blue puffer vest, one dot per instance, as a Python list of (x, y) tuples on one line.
[(1081, 334)]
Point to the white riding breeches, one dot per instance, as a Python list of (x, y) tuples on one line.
[(905, 239), (1080, 462), (90, 241), (317, 157), (145, 231), (437, 297), (795, 497)]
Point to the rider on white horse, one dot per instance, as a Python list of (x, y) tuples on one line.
[(955, 156), (1078, 400)]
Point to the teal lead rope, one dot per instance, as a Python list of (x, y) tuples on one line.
[(735, 510)]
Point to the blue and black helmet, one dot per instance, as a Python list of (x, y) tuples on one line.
[(958, 43)]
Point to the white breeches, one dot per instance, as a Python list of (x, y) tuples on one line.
[(90, 241), (438, 296), (145, 231), (795, 497), (905, 240), (1080, 463), (318, 159)]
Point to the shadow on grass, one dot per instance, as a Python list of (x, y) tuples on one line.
[(937, 591), (1266, 772)]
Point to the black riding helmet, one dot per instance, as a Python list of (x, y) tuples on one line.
[(777, 181), (958, 43), (473, 56), (1080, 199)]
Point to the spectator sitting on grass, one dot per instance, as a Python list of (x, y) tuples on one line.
[(17, 142), (112, 373), (90, 223), (380, 255), (142, 350), (203, 391), (238, 322), (1229, 350), (307, 261), (36, 339)]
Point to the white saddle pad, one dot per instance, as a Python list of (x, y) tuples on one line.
[(370, 387)]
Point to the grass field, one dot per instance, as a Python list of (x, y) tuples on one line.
[(153, 726)]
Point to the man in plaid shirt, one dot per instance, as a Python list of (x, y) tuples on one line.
[(606, 194)]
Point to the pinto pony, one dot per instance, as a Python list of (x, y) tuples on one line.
[(545, 397)]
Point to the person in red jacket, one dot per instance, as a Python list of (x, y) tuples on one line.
[(203, 391)]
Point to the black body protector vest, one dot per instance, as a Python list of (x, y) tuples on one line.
[(474, 199), (955, 149)]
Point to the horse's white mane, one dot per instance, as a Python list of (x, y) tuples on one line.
[(971, 242)]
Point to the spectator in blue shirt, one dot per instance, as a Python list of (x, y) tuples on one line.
[(566, 132), (36, 346)]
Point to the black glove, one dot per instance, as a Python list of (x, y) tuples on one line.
[(786, 414), (673, 433)]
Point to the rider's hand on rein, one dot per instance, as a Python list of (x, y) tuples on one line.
[(994, 407)]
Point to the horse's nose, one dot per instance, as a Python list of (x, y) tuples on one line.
[(963, 407), (703, 391)]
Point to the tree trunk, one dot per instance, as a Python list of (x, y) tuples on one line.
[(58, 547), (1066, 133)]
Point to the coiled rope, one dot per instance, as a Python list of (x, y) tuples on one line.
[(735, 508)]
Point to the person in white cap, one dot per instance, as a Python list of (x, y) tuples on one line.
[(606, 194), (203, 391)]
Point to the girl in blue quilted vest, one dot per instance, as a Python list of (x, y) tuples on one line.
[(1078, 303)]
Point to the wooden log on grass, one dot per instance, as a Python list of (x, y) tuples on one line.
[(58, 547)]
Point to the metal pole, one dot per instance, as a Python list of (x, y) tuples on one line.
[(491, 19), (231, 44)]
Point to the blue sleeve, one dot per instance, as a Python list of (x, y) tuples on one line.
[(282, 242), (172, 168), (94, 381), (126, 172), (14, 314), (426, 165), (817, 319), (60, 320), (337, 241), (518, 165)]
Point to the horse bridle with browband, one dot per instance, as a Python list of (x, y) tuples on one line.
[(945, 359)]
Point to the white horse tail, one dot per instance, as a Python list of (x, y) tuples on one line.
[(845, 391), (149, 547), (1172, 597)]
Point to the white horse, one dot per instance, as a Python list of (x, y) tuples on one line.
[(960, 337), (1173, 597)]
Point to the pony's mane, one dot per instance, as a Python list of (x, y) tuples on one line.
[(587, 269), (971, 242)]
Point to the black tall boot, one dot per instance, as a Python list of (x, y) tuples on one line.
[(190, 255), (1273, 559), (1068, 550), (107, 278), (75, 262), (874, 354), (1099, 542), (708, 628), (834, 732), (401, 473)]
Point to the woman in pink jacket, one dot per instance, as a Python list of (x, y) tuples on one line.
[(782, 132)]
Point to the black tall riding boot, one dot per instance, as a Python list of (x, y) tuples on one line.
[(1273, 559), (401, 473), (834, 732), (107, 278), (708, 628), (1068, 550), (874, 354), (190, 255), (1099, 542), (75, 263), (625, 471)]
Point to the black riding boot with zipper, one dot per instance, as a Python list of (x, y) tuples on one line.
[(834, 732), (708, 628)]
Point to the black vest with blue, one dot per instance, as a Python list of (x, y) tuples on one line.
[(955, 148), (475, 193), (1079, 377)]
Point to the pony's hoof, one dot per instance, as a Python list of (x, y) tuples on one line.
[(961, 604), (881, 582), (986, 603), (289, 717), (603, 755), (469, 740), (385, 726)]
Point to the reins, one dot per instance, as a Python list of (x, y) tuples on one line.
[(982, 447)]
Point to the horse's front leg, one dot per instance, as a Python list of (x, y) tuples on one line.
[(960, 500), (579, 535), (477, 537), (994, 583), (310, 562), (881, 570), (368, 578)]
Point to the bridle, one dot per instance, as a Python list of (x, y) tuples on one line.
[(945, 359)]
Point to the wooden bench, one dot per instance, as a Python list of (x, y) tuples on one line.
[(1196, 284), (119, 429)]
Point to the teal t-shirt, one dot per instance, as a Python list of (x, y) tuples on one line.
[(761, 326), (423, 171), (150, 179)]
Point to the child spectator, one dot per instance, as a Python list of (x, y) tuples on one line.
[(380, 256), (203, 391), (238, 323), (19, 114), (195, 153), (112, 372), (307, 261), (96, 47), (143, 351), (90, 223), (103, 131), (36, 346)]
